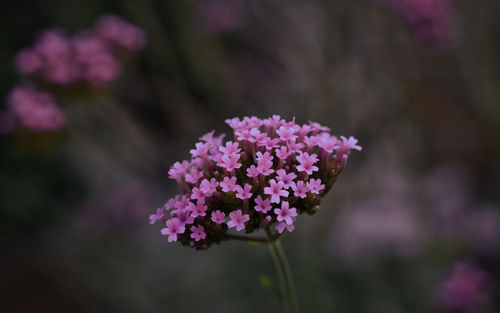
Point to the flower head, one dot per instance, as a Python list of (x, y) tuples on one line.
[(234, 185)]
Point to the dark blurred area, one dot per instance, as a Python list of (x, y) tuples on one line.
[(413, 224)]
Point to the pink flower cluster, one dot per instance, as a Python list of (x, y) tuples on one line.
[(87, 56), (269, 173), (34, 109), (430, 21)]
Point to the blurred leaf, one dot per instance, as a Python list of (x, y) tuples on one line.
[(270, 286)]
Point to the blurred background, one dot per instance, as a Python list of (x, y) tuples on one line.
[(412, 225)]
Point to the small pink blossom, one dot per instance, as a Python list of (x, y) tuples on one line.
[(268, 142), (230, 148), (299, 189), (201, 149), (315, 185), (156, 217), (252, 171), (174, 227), (200, 209), (295, 147), (286, 179), (193, 176), (327, 142), (178, 170), (307, 163), (218, 216), (350, 143), (275, 190), (230, 162), (286, 133), (228, 184), (197, 194), (285, 213), (262, 205), (238, 220), (265, 167), (282, 153), (209, 187), (264, 157), (244, 192), (282, 225), (198, 232)]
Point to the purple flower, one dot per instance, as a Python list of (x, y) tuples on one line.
[(209, 187), (174, 227), (299, 189), (286, 179), (228, 184), (285, 213), (262, 205), (253, 171), (307, 163), (218, 216), (244, 192), (315, 185), (238, 220), (275, 190), (198, 232)]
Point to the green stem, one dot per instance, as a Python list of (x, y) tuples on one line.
[(287, 288)]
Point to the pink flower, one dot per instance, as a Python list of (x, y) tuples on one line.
[(178, 170), (156, 217), (262, 205), (209, 187), (315, 185), (201, 149), (275, 190), (244, 193), (299, 190), (350, 143), (295, 147), (286, 179), (197, 194), (252, 171), (174, 227), (184, 217), (327, 142), (264, 157), (198, 232), (228, 184), (238, 220), (286, 133), (269, 157), (194, 175), (285, 213), (218, 216), (282, 153), (230, 162), (200, 209), (268, 142), (307, 163), (230, 148), (282, 225), (264, 167)]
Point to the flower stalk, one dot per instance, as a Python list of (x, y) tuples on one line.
[(287, 287)]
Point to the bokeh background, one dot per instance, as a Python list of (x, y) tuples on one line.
[(413, 224)]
